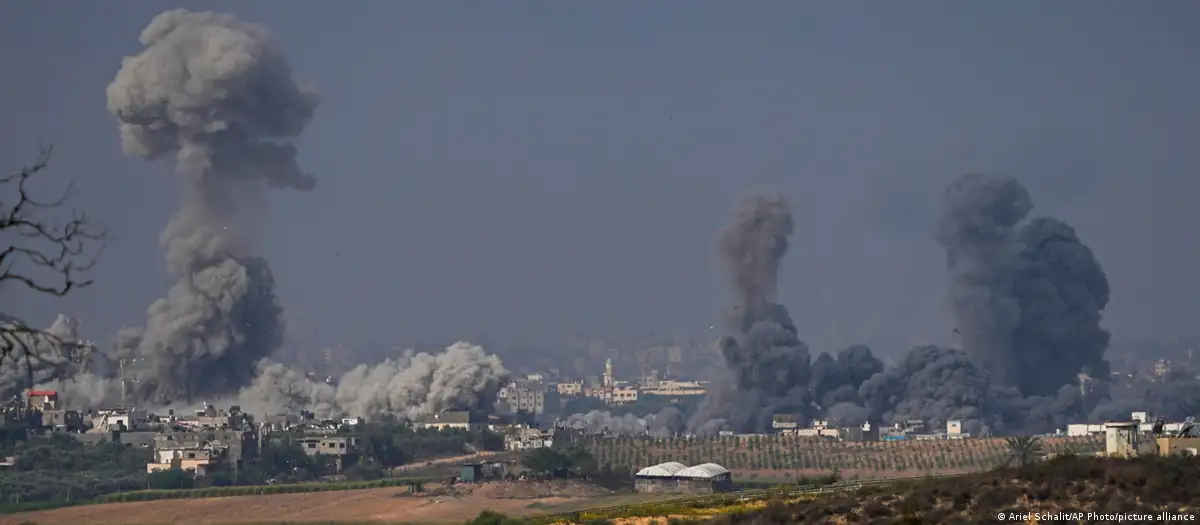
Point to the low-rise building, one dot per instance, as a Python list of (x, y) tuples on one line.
[(281, 422), (63, 420), (460, 419), (329, 445), (525, 438), (42, 400), (234, 446), (676, 389), (785, 423), (1084, 429), (954, 427), (1121, 438), (344, 449), (571, 389), (864, 432), (674, 478), (624, 395), (1178, 446), (194, 460), (120, 419)]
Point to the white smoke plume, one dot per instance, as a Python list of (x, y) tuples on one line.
[(463, 377), (50, 354), (217, 94), (597, 422), (666, 423)]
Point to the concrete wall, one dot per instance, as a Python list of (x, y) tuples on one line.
[(1121, 439), (682, 486), (1174, 446)]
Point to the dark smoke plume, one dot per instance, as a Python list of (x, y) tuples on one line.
[(1026, 297), (932, 384), (767, 362), (836, 381), (218, 95)]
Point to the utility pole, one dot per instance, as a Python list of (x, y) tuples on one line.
[(124, 385)]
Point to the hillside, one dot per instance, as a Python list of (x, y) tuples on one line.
[(1149, 485), (776, 456)]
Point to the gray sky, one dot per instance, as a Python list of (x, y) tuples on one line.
[(534, 169)]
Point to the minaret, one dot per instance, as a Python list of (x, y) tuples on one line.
[(608, 373)]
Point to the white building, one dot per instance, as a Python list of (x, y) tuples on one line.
[(459, 419), (624, 395), (953, 427), (1121, 438), (569, 389)]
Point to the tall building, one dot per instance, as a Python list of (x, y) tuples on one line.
[(527, 396), (608, 373)]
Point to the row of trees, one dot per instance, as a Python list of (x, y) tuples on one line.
[(786, 453), (576, 462), (60, 467)]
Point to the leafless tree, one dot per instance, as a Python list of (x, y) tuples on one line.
[(43, 254)]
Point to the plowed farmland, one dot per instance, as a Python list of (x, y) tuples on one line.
[(391, 505)]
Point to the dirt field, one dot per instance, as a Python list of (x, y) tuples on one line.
[(390, 505), (454, 504)]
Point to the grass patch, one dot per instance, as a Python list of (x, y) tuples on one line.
[(211, 492)]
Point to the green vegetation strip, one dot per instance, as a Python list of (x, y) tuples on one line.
[(686, 504), (212, 492)]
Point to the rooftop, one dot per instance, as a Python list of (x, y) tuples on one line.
[(705, 471), (674, 469), (454, 417), (662, 470)]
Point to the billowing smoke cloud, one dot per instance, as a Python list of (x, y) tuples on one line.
[(767, 362), (597, 422), (1026, 297), (218, 95), (666, 423), (463, 377), (932, 384), (835, 381)]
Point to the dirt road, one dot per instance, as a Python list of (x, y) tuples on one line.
[(444, 461)]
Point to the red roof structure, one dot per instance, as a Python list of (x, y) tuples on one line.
[(33, 393)]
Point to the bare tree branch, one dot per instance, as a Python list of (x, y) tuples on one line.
[(42, 255)]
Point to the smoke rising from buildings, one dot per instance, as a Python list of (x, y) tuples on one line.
[(767, 362), (462, 377), (1026, 298), (217, 94), (666, 423), (48, 355)]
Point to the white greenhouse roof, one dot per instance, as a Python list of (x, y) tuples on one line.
[(707, 470), (662, 470)]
